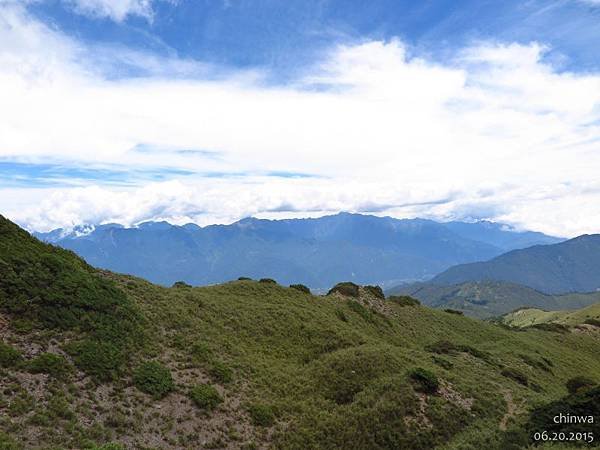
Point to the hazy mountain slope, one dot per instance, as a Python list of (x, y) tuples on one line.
[(316, 252), (570, 266), (257, 365), (485, 299), (530, 316)]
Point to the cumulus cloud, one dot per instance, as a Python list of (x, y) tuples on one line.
[(497, 132)]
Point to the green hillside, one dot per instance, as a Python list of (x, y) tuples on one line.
[(89, 357), (484, 299), (523, 317)]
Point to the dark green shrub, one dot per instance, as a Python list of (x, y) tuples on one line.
[(301, 288), (181, 284), (153, 378), (404, 300), (261, 415), (375, 291), (267, 280), (454, 311), (424, 380), (583, 403), (244, 279), (51, 364), (516, 375), (442, 362), (9, 356), (551, 326), (205, 396), (101, 360), (444, 347), (110, 446), (221, 372), (201, 352), (594, 322), (341, 315), (538, 364), (578, 383), (361, 310), (346, 288)]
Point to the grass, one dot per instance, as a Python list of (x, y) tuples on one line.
[(305, 371)]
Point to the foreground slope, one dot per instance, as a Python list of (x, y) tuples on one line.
[(252, 364), (484, 299), (316, 252), (570, 266)]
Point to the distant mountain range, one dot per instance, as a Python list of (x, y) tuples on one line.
[(569, 266), (316, 252), (484, 299)]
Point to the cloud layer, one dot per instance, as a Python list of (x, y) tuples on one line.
[(495, 132)]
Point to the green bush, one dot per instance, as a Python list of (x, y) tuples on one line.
[(221, 372), (341, 315), (594, 322), (301, 288), (551, 326), (205, 396), (578, 383), (346, 288), (404, 300), (444, 347), (51, 364), (516, 375), (267, 280), (261, 415), (201, 352), (244, 279), (424, 380), (110, 446), (181, 284), (375, 291), (454, 311), (103, 361), (9, 356), (153, 378), (442, 362), (361, 310)]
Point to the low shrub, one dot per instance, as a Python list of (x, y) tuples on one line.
[(9, 356), (244, 279), (205, 396), (424, 380), (404, 300), (579, 383), (51, 364), (454, 311), (346, 288), (516, 375), (181, 284), (341, 315), (153, 378), (537, 364), (221, 372), (267, 280), (261, 415), (103, 361), (201, 352), (594, 322), (551, 326), (301, 288), (442, 362), (375, 291), (361, 310), (445, 347)]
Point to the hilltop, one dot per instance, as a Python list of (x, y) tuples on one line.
[(90, 357), (484, 299), (316, 252), (522, 317), (570, 266)]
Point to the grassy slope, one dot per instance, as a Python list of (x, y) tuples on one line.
[(330, 372), (530, 316), (485, 299)]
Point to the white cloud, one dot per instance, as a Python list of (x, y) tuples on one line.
[(117, 10), (497, 132)]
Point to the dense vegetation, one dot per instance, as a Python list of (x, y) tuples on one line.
[(253, 365)]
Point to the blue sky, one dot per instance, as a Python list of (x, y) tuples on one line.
[(213, 110)]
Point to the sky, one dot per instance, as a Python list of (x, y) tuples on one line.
[(209, 111)]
